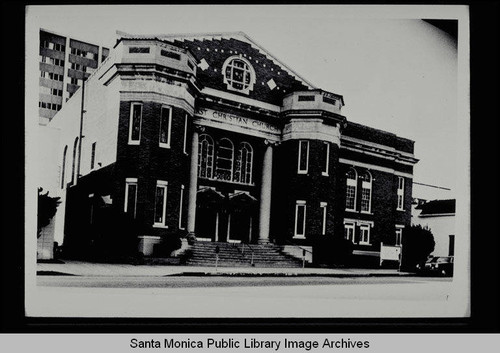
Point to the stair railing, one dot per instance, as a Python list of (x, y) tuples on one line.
[(242, 251), (304, 250)]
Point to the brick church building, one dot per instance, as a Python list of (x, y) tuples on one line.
[(210, 135)]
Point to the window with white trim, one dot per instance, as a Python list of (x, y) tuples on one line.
[(92, 156), (300, 219), (134, 136), (303, 157), (401, 190), (165, 126), (349, 231), (63, 170), (224, 161), (323, 206), (244, 164), (351, 186), (184, 145), (182, 224), (366, 191), (326, 158), (205, 156), (160, 203), (129, 205), (364, 234), (399, 236)]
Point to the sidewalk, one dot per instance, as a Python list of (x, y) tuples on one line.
[(80, 268)]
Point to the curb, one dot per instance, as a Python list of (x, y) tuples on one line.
[(238, 274)]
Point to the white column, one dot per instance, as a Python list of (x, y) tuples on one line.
[(265, 194), (193, 181)]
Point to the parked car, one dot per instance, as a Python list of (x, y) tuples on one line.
[(437, 265)]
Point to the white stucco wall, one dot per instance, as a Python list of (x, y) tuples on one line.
[(441, 227)]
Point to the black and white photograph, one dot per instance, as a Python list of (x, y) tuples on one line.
[(247, 161)]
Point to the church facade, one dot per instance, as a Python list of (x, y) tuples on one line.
[(212, 136)]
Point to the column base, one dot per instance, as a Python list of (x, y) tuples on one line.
[(191, 238), (263, 241)]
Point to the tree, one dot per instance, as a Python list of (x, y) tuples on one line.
[(418, 243), (47, 208)]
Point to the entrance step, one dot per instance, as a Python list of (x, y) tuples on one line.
[(239, 255)]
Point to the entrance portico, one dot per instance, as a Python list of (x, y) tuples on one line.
[(228, 153)]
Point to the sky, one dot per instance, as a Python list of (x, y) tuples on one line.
[(395, 72)]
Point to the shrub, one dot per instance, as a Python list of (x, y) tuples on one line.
[(332, 251), (47, 208), (418, 243)]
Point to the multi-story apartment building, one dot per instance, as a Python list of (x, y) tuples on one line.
[(64, 62), (211, 135)]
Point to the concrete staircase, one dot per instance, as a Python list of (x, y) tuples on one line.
[(236, 255)]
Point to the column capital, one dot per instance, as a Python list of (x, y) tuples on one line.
[(271, 143), (199, 128)]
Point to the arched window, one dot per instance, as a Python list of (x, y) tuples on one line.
[(63, 170), (205, 156), (351, 181), (225, 157), (73, 168), (244, 160), (366, 191)]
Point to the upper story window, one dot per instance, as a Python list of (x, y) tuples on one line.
[(205, 156), (165, 126), (92, 155), (326, 158), (303, 161), (138, 50), (225, 157), (73, 167), (351, 183), (184, 143), (63, 168), (323, 206), (244, 160), (366, 191), (134, 136), (239, 74), (401, 190)]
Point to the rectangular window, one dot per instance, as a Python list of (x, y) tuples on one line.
[(92, 156), (160, 203), (349, 231), (138, 50), (74, 81), (401, 189), (184, 148), (165, 126), (170, 54), (134, 136), (182, 224), (364, 237), (130, 196), (306, 99), (326, 158), (303, 162), (365, 199), (350, 201), (399, 235), (323, 206), (329, 100), (300, 219)]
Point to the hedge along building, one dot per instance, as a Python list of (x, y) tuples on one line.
[(211, 135)]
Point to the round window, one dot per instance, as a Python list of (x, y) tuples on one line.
[(239, 74)]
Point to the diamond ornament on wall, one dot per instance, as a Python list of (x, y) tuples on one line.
[(203, 64), (271, 84)]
